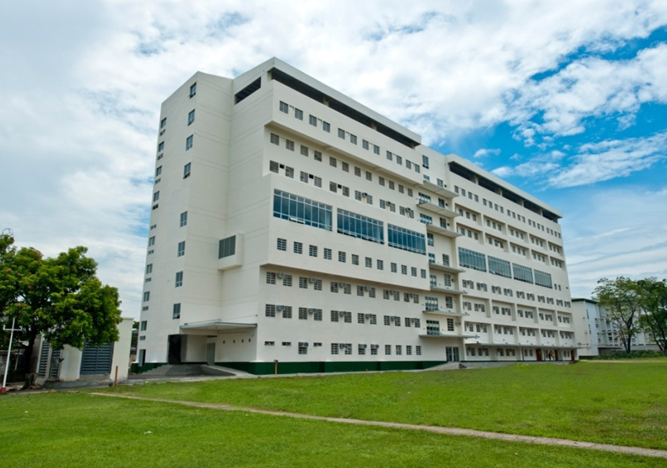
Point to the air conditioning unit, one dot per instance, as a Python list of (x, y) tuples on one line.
[(281, 275), (312, 280), (341, 313), (368, 288), (312, 311), (280, 308), (303, 345), (368, 316), (364, 194), (363, 346), (375, 346)]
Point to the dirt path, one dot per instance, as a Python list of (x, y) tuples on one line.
[(413, 427)]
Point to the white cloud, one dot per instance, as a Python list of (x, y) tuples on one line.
[(615, 232), (610, 159), (81, 98), (591, 87), (482, 152), (593, 162)]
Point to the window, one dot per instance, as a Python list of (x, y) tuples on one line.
[(472, 259), (399, 350), (312, 120), (298, 248), (355, 259), (275, 139), (341, 133), (186, 170), (176, 312), (543, 279), (191, 116), (147, 296), (499, 267), (387, 350), (425, 161), (283, 107), (193, 89), (179, 279), (181, 249), (406, 239), (380, 264), (353, 139), (188, 142), (156, 196), (522, 273), (298, 113), (327, 254), (361, 227), (303, 347), (289, 144), (341, 257), (270, 310), (312, 251), (326, 126), (158, 171), (304, 150), (184, 219), (301, 210), (369, 262), (149, 268), (151, 241), (160, 146), (282, 244), (270, 277)]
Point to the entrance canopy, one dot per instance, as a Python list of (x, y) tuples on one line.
[(216, 325)]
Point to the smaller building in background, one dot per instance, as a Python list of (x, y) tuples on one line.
[(93, 364), (599, 334)]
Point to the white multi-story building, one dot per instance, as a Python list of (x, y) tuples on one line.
[(600, 335), (292, 223)]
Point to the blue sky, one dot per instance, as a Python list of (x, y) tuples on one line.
[(567, 100)]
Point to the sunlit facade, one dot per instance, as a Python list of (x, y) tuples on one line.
[(291, 223)]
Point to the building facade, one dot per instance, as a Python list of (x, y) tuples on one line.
[(600, 335), (290, 223)]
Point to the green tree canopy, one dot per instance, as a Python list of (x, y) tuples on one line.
[(60, 298), (621, 297), (654, 305)]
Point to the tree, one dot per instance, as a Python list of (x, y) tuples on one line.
[(60, 298), (654, 305), (621, 298)]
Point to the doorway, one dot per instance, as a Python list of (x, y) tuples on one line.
[(174, 356), (210, 354)]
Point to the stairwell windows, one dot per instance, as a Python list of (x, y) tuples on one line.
[(179, 279), (181, 249), (189, 142), (191, 117), (187, 170), (184, 219), (176, 312)]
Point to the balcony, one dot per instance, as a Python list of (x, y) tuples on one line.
[(430, 186), (432, 228), (447, 289), (450, 312), (446, 335), (440, 210), (445, 268)]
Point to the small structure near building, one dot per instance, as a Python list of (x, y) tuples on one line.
[(94, 365)]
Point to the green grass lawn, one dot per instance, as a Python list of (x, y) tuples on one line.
[(80, 430), (619, 403)]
